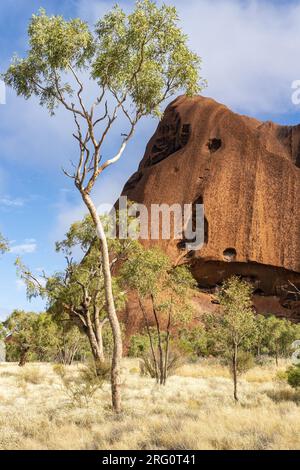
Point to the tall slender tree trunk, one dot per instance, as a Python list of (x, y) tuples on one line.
[(110, 305), (234, 371), (99, 324), (150, 340), (95, 342), (98, 353), (167, 349), (160, 349)]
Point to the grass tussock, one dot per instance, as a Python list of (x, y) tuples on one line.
[(195, 410)]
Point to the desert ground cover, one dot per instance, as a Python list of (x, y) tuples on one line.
[(195, 410)]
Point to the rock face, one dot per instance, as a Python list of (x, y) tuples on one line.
[(247, 175)]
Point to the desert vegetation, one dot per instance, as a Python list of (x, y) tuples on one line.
[(75, 376), (223, 380), (38, 412), (222, 384)]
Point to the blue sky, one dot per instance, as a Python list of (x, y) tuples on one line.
[(250, 51)]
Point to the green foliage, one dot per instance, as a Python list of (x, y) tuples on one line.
[(81, 234), (235, 326), (72, 343), (139, 345), (56, 46), (145, 270), (81, 388), (108, 341), (143, 56), (293, 376), (78, 293), (43, 337), (194, 341), (146, 54), (233, 330), (275, 336), (279, 336), (281, 376), (150, 273), (68, 289), (21, 325), (245, 362)]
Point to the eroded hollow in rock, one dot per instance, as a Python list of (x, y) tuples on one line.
[(271, 279), (195, 225), (229, 254), (258, 291), (214, 144)]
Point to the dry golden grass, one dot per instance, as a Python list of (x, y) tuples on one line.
[(194, 411)]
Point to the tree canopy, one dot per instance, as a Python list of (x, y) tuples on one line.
[(143, 55)]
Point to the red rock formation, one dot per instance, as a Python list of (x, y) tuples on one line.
[(247, 173)]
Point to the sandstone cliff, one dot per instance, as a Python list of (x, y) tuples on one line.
[(247, 175)]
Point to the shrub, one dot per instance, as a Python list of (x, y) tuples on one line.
[(245, 362), (293, 376), (281, 376), (139, 345), (194, 342), (147, 366), (82, 387), (263, 360)]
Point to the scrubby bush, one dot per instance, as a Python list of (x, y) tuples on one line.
[(148, 365), (194, 342), (275, 336), (245, 362), (39, 337), (139, 345), (293, 376), (81, 388)]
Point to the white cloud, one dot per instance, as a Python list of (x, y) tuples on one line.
[(8, 201), (249, 48), (29, 246), (29, 240)]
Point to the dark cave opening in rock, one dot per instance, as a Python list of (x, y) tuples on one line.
[(229, 254), (267, 278), (214, 144), (258, 291)]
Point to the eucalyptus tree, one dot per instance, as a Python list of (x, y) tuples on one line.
[(168, 289), (78, 291), (19, 327), (39, 337), (233, 329), (137, 61), (280, 334)]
